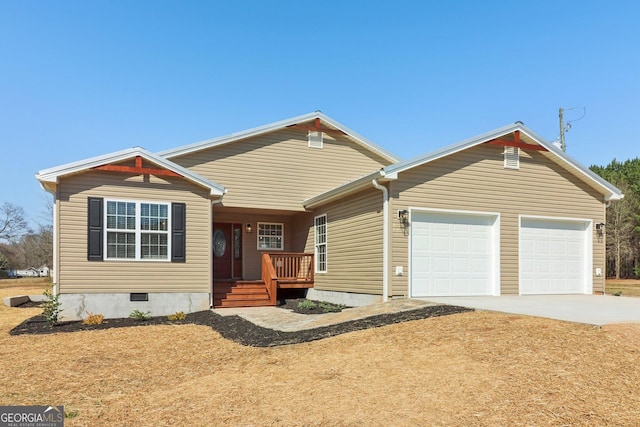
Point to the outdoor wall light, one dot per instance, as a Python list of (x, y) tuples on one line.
[(600, 226), (248, 228), (403, 216)]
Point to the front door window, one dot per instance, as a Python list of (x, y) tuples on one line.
[(219, 243)]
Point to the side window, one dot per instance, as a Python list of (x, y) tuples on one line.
[(320, 225)]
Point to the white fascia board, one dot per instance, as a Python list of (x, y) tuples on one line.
[(51, 175), (209, 143), (343, 190), (612, 192)]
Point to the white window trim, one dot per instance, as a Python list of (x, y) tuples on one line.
[(516, 154), (281, 224), (138, 230), (326, 244)]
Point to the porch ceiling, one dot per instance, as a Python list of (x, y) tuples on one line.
[(254, 211)]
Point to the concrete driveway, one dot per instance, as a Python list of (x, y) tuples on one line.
[(591, 309)]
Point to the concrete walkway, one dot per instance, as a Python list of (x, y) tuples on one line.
[(287, 321), (591, 309)]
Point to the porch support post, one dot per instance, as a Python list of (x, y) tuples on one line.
[(385, 238)]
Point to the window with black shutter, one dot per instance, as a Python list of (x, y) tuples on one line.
[(95, 229)]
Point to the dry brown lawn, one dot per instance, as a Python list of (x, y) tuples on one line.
[(626, 287), (471, 369)]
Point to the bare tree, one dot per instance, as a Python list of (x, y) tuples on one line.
[(13, 222), (620, 228)]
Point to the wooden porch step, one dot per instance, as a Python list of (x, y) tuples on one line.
[(241, 303), (240, 294)]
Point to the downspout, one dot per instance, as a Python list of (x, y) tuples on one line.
[(213, 203), (385, 238), (54, 237)]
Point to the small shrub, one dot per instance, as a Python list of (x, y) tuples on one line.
[(617, 294), (177, 316), (51, 307), (307, 305), (93, 319), (140, 315), (328, 307)]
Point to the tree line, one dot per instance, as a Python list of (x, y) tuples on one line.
[(623, 219), (22, 246)]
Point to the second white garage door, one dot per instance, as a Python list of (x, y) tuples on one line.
[(453, 254), (553, 257)]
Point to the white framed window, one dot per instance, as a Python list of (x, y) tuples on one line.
[(320, 226), (511, 158), (270, 236), (315, 139), (137, 230)]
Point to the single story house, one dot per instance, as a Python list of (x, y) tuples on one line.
[(308, 203)]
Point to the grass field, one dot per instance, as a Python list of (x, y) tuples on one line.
[(625, 287), (471, 369)]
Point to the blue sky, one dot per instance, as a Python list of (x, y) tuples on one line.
[(83, 78)]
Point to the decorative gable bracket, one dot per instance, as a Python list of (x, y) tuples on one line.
[(138, 169), (317, 127), (516, 143)]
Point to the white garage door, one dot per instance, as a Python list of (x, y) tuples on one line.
[(553, 257), (453, 254)]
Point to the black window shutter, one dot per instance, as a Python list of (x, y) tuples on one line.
[(178, 232), (95, 229)]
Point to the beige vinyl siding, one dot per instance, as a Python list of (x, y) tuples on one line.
[(354, 244), (279, 170), (476, 180), (77, 275)]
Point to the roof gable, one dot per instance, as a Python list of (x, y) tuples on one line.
[(52, 175), (272, 127), (391, 172), (570, 164)]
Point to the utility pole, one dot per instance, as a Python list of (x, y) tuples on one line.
[(563, 146)]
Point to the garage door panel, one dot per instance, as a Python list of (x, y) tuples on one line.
[(460, 244), (461, 264), (553, 256), (480, 266), (441, 265), (440, 243), (451, 254)]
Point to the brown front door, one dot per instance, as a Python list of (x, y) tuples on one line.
[(227, 251)]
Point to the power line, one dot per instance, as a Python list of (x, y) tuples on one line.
[(565, 128)]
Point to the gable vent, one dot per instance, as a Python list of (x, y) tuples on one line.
[(511, 158), (315, 139)]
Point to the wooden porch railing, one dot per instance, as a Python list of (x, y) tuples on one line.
[(292, 267), (286, 270), (269, 278)]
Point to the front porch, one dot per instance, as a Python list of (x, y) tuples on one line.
[(283, 270)]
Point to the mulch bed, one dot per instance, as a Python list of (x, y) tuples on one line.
[(242, 331)]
